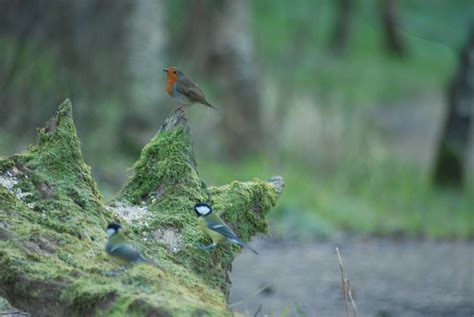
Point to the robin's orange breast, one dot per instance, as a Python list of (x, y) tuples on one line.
[(169, 86)]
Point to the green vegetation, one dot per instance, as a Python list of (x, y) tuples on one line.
[(293, 46), (385, 198), (341, 176)]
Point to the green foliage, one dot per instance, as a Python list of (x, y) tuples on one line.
[(295, 44), (372, 198), (43, 74), (341, 182)]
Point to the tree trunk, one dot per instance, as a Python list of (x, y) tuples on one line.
[(218, 39), (389, 18), (145, 43), (342, 26), (454, 140), (52, 219)]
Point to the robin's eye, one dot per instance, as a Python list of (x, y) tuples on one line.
[(174, 72)]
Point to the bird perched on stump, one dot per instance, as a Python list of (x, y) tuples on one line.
[(182, 89), (121, 250), (215, 228)]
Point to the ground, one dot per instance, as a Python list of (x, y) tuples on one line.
[(390, 278)]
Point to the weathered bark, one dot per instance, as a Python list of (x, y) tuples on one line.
[(218, 38), (389, 18), (454, 139), (342, 26), (52, 220)]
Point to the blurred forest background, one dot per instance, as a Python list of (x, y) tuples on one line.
[(364, 107)]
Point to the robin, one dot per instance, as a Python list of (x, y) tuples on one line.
[(182, 89)]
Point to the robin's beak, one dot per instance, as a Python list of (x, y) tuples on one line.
[(165, 70)]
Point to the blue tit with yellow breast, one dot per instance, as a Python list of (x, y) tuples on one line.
[(121, 250), (215, 228)]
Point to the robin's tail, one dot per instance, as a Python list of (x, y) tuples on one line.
[(206, 103)]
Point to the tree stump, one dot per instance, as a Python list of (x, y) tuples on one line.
[(52, 220)]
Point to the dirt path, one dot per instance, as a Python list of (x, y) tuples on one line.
[(389, 278)]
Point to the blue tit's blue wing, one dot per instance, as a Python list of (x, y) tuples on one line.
[(222, 228), (126, 253)]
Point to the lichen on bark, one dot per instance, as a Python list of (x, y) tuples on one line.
[(52, 220)]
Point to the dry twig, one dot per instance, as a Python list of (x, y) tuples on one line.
[(346, 287), (258, 311), (349, 293), (341, 268)]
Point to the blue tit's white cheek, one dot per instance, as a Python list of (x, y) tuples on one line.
[(110, 232), (203, 210)]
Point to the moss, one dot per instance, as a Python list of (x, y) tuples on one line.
[(5, 164), (166, 165), (53, 235), (167, 181), (85, 294), (4, 304), (140, 307)]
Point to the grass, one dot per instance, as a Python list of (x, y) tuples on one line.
[(387, 199)]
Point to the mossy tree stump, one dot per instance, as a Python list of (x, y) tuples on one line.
[(52, 220)]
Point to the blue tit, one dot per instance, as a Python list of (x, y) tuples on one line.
[(121, 250), (215, 228)]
